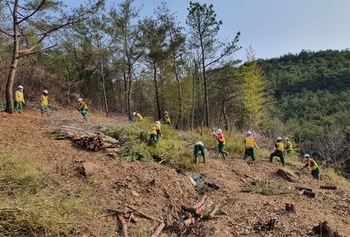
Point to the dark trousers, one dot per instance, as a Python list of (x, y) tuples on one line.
[(278, 154)]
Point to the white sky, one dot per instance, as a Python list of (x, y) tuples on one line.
[(272, 27)]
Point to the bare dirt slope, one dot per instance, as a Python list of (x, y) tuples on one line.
[(159, 192)]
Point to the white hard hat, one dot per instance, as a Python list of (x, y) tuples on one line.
[(157, 122), (45, 91), (279, 138), (80, 100), (286, 139), (134, 113), (166, 112), (306, 156), (20, 87), (249, 133), (219, 131)]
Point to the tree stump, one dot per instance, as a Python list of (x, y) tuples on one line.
[(290, 208), (324, 230)]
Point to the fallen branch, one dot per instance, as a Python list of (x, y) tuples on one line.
[(159, 229), (142, 214), (329, 187), (115, 211), (123, 225)]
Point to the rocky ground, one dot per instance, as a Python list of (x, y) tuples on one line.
[(155, 193)]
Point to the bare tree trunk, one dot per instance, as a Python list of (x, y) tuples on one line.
[(126, 94), (194, 74), (223, 108), (129, 92), (206, 96), (156, 89), (180, 92), (103, 81), (14, 63)]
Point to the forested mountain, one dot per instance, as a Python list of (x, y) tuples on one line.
[(311, 86), (312, 94)]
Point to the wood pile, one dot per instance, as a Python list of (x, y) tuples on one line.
[(90, 141)]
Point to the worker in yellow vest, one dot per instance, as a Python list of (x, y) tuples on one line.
[(249, 146), (288, 147), (19, 99), (83, 108), (138, 116), (153, 135), (44, 101), (167, 118), (315, 171), (279, 151), (158, 128)]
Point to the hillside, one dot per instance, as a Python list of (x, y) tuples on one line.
[(157, 192)]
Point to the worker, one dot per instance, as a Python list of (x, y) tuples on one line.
[(279, 151), (158, 128), (83, 108), (19, 99), (153, 135), (44, 101), (315, 171), (249, 146), (199, 147), (138, 116), (167, 118), (288, 147), (221, 142)]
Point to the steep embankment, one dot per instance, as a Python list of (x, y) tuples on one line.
[(157, 193)]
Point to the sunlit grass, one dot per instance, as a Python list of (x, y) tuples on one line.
[(32, 203)]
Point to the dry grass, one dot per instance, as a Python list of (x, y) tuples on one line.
[(33, 202)]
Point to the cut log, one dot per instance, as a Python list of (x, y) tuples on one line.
[(201, 202), (329, 187), (303, 188), (186, 223), (309, 194), (159, 229), (195, 211), (196, 208), (88, 140), (212, 213)]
